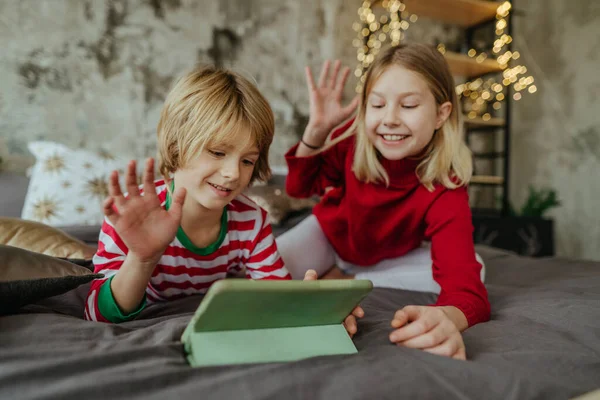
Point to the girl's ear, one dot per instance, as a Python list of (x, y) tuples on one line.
[(444, 112)]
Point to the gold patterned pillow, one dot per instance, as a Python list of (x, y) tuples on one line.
[(67, 186), (44, 239)]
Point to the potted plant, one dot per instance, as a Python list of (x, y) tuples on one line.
[(526, 231)]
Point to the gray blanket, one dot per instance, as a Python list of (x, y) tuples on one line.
[(543, 342)]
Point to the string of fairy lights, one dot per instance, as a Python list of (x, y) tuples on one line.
[(479, 95)]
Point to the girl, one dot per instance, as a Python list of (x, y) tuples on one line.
[(177, 236), (390, 179)]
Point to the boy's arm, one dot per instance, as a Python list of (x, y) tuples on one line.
[(264, 261), (104, 303)]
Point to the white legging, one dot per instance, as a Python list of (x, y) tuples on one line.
[(305, 247)]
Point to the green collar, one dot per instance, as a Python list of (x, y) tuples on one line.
[(185, 240)]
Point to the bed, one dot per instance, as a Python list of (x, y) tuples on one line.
[(542, 342)]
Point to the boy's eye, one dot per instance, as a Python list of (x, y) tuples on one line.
[(410, 106), (216, 153)]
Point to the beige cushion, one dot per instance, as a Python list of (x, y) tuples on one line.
[(40, 238), (18, 264), (27, 277)]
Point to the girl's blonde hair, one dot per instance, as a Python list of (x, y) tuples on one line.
[(209, 106), (446, 159)]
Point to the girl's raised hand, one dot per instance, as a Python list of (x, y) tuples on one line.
[(326, 110), (140, 221)]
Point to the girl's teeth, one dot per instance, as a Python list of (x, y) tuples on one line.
[(394, 137)]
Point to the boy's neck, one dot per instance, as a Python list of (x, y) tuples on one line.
[(198, 217)]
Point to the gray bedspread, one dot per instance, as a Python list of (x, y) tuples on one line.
[(543, 342)]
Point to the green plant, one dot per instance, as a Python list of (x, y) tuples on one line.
[(538, 202)]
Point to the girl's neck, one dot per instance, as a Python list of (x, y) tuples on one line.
[(401, 172)]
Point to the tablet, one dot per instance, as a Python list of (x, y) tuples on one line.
[(248, 321)]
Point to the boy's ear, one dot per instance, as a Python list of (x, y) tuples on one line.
[(444, 112)]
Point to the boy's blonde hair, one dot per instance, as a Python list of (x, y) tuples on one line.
[(447, 159), (208, 106)]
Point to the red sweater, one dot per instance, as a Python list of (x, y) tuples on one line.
[(366, 223)]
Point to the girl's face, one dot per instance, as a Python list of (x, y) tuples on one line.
[(219, 173), (401, 114)]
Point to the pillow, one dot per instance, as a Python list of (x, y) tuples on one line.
[(27, 277), (67, 187), (276, 202), (41, 238)]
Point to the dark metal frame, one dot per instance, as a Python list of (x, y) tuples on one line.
[(505, 154)]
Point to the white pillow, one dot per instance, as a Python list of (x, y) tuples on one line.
[(67, 186)]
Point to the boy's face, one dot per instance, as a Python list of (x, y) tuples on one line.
[(219, 173)]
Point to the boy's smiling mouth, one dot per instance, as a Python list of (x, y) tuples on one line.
[(221, 188)]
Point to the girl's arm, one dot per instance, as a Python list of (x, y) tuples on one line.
[(455, 268), (311, 171), (313, 175)]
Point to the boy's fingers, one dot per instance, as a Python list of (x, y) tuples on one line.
[(131, 180), (358, 312), (149, 177), (107, 206), (311, 275), (177, 204), (350, 324)]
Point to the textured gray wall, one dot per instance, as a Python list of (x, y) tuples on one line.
[(556, 133), (94, 73)]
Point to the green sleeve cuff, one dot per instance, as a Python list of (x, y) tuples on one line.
[(108, 306)]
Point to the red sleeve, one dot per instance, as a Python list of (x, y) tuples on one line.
[(108, 259), (264, 261), (455, 268), (311, 175)]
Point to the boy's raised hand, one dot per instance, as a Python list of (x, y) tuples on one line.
[(350, 321), (326, 110), (140, 221)]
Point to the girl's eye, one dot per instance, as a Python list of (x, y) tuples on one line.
[(216, 153), (410, 106), (248, 162), (377, 105)]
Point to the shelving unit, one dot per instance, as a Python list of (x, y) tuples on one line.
[(472, 16), (468, 67), (465, 13)]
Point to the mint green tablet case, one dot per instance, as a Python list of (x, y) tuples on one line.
[(244, 321)]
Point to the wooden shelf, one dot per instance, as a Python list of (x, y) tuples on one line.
[(465, 13), (480, 123), (487, 180), (463, 65)]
